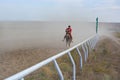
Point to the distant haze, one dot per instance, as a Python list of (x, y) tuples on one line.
[(15, 35)]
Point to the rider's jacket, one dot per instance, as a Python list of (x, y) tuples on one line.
[(68, 30)]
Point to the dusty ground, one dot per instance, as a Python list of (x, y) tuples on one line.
[(15, 61), (102, 63), (103, 66)]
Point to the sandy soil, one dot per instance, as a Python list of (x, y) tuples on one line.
[(102, 63), (17, 60)]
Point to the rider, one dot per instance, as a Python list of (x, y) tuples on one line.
[(68, 31)]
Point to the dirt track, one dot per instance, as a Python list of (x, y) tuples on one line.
[(15, 61)]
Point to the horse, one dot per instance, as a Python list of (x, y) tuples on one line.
[(68, 40)]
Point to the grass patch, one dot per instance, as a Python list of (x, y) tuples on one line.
[(117, 34), (47, 72), (101, 65), (107, 77)]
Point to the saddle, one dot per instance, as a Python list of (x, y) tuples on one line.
[(67, 35)]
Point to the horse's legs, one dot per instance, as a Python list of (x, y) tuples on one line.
[(66, 43), (70, 42)]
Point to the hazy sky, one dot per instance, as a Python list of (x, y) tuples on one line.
[(60, 10)]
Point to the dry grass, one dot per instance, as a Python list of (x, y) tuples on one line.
[(117, 34), (16, 61), (102, 64)]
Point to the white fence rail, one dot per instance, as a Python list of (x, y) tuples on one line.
[(88, 43)]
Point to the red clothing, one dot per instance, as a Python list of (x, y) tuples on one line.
[(69, 31)]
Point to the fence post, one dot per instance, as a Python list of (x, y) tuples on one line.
[(74, 67), (21, 79), (58, 70), (86, 48), (97, 25), (84, 52), (80, 57)]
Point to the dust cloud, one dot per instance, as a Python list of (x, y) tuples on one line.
[(107, 29), (17, 35)]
